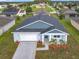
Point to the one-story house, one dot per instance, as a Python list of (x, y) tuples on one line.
[(41, 12), (12, 11), (41, 28), (75, 22), (70, 13), (40, 5), (6, 23), (3, 5)]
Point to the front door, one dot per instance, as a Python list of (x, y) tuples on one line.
[(46, 38)]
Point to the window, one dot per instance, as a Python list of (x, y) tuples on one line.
[(56, 36), (46, 36), (72, 15)]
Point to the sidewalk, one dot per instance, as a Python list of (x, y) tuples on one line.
[(45, 48)]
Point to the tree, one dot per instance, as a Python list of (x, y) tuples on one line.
[(46, 1), (77, 9), (61, 16), (28, 9)]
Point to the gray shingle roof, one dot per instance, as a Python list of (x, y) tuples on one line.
[(76, 19), (70, 12), (55, 31), (44, 18), (5, 20), (10, 11)]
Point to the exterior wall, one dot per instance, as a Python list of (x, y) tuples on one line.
[(1, 31), (32, 36), (62, 37), (75, 24), (21, 14), (16, 36), (8, 26), (26, 36), (3, 6)]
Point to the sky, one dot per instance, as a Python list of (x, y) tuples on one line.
[(31, 0), (64, 0), (16, 0)]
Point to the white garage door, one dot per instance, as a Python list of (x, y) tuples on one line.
[(29, 36)]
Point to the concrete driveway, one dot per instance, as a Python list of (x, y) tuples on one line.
[(25, 50)]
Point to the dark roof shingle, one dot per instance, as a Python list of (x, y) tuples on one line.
[(10, 11), (5, 20)]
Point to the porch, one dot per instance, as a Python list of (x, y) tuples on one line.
[(54, 38)]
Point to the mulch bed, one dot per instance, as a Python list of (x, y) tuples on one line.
[(39, 44), (53, 46)]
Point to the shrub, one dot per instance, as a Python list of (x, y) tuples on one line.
[(28, 9), (62, 41), (18, 18), (53, 41), (61, 16)]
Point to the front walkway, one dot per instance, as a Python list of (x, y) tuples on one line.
[(44, 48), (25, 50)]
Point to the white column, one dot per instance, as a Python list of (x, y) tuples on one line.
[(50, 37), (42, 38), (65, 38)]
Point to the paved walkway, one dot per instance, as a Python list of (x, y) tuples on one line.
[(45, 48), (25, 50)]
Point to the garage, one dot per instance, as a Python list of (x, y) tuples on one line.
[(25, 50), (26, 36)]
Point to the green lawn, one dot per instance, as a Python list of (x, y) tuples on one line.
[(2, 9), (72, 52), (49, 9), (7, 45), (35, 9)]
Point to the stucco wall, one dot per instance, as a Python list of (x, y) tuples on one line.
[(75, 24), (6, 27)]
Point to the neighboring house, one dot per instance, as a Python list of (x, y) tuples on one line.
[(5, 24), (21, 13), (41, 28), (3, 6), (59, 12), (41, 12), (75, 22), (40, 5), (14, 12), (13, 4), (70, 13)]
